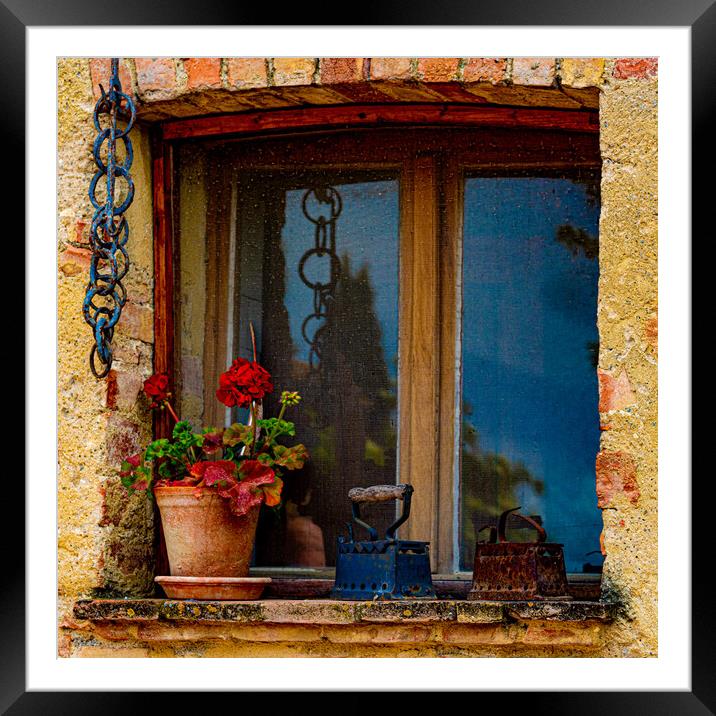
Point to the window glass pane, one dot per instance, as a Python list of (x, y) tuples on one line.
[(530, 429), (328, 331)]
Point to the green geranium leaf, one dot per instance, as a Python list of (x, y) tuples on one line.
[(156, 449), (181, 428), (165, 470), (238, 433), (265, 459), (292, 458)]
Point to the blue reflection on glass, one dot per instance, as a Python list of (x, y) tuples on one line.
[(529, 343), (366, 237)]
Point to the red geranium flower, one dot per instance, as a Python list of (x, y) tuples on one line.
[(156, 388), (244, 382)]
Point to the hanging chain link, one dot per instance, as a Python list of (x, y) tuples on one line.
[(109, 230), (325, 245)]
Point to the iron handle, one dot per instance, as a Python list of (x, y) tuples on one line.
[(379, 493), (502, 525)]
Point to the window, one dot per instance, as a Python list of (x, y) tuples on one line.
[(446, 339)]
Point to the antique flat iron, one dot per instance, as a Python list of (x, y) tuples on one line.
[(518, 570), (388, 568)]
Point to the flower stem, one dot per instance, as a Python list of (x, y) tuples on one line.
[(171, 410), (270, 438), (254, 425)]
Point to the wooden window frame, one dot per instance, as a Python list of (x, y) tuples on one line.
[(430, 267)]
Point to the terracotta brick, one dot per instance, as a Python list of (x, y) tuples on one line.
[(100, 68), (615, 392), (339, 70), (533, 71), (82, 232), (202, 73), (377, 635), (584, 635), (293, 70), (246, 72), (390, 68), (73, 261), (129, 383), (115, 631), (438, 69), (616, 474), (197, 632), (126, 352), (155, 74), (137, 322), (581, 71), (636, 68), (479, 634), (272, 633), (161, 631), (64, 645), (485, 69), (95, 652), (123, 438), (111, 396)]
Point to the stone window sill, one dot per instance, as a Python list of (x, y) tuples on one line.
[(453, 622)]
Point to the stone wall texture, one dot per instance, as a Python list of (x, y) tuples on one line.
[(106, 540)]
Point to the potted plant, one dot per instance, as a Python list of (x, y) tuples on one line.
[(210, 485)]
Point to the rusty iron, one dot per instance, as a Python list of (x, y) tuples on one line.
[(105, 294), (509, 571)]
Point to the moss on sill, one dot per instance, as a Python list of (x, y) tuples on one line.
[(326, 611), (323, 627)]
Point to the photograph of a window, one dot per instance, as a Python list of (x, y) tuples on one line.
[(458, 348)]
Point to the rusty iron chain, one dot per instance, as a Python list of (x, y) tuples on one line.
[(109, 231)]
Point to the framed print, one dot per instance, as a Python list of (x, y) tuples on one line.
[(361, 355)]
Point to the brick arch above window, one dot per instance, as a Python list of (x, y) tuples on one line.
[(169, 87)]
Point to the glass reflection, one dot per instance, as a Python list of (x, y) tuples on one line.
[(327, 323), (530, 413)]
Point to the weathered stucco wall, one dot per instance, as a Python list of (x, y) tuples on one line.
[(106, 541)]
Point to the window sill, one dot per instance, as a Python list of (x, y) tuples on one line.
[(330, 611), (282, 626)]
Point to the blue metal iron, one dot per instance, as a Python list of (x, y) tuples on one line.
[(388, 568)]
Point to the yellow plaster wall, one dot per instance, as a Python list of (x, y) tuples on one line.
[(105, 540), (628, 350)]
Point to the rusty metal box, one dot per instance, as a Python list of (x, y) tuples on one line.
[(519, 570)]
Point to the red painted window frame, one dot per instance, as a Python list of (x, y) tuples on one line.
[(281, 121)]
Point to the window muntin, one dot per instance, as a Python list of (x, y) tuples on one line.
[(430, 166)]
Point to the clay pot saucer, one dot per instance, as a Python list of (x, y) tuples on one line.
[(213, 588)]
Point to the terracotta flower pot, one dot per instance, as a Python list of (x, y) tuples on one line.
[(203, 537)]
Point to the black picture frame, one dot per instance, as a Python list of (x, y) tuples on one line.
[(699, 15)]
